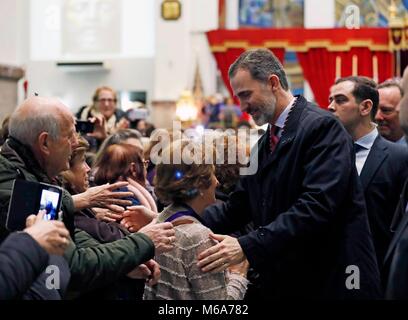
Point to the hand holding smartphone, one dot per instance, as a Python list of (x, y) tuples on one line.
[(28, 198), (84, 126)]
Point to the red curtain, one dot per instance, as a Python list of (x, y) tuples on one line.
[(224, 60), (365, 63), (385, 65), (319, 68), (312, 47)]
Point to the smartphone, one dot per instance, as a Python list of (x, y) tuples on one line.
[(28, 198), (84, 126)]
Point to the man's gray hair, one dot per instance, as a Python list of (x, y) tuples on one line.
[(261, 64), (27, 128), (391, 83)]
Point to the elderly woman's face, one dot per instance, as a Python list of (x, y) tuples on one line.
[(79, 174), (106, 103)]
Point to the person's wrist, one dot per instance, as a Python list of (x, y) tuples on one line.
[(81, 201), (28, 231), (88, 198)]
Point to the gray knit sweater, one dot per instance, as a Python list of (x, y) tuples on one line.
[(180, 278)]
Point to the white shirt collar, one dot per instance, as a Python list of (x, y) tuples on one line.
[(367, 141), (280, 122)]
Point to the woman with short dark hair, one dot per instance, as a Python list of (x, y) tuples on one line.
[(188, 186)]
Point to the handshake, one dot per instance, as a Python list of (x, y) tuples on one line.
[(54, 237), (140, 219)]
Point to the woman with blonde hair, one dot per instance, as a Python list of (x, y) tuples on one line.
[(188, 186), (103, 112), (104, 102)]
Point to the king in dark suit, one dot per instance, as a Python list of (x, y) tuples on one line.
[(305, 200), (382, 165)]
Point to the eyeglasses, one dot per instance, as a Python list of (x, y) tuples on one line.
[(107, 100)]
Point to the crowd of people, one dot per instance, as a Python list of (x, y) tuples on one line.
[(151, 214)]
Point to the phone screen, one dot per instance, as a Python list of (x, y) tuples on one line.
[(49, 201), (28, 198), (84, 126)]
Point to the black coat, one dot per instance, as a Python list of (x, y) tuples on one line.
[(22, 260), (396, 259), (309, 212), (383, 177)]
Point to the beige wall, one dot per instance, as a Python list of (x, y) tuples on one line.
[(163, 113)]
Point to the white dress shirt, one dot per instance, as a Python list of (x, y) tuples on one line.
[(280, 122), (364, 145)]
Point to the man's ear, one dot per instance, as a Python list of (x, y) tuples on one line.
[(274, 82), (365, 107), (43, 142)]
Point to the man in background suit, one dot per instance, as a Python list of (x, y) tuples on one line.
[(381, 164), (387, 115), (305, 200)]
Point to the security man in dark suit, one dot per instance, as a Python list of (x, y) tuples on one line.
[(311, 229), (381, 164)]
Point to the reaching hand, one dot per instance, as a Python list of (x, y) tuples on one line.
[(51, 235), (102, 196), (150, 271), (136, 217), (162, 235), (99, 132), (154, 272), (111, 214), (222, 255)]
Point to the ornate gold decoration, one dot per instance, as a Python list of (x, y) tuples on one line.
[(328, 44), (396, 28), (171, 9)]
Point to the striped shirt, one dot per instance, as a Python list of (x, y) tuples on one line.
[(181, 279)]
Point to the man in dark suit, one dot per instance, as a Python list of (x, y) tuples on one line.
[(396, 258), (305, 200), (381, 164), (387, 116)]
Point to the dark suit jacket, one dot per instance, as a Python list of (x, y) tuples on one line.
[(383, 177), (396, 259), (308, 209)]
